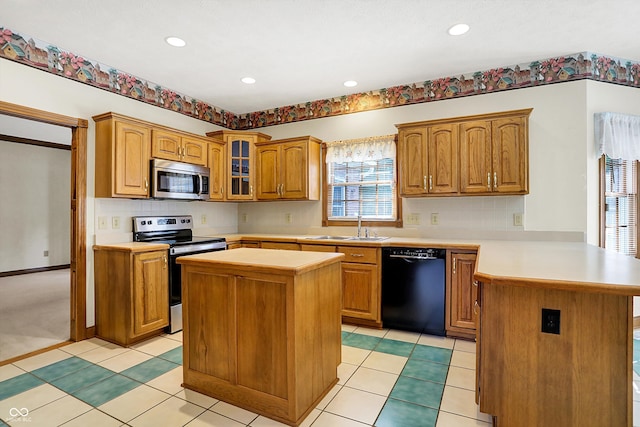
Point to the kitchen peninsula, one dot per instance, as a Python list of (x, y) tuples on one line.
[(262, 328)]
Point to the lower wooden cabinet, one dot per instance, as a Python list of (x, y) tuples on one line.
[(291, 246), (462, 294), (361, 290), (132, 293)]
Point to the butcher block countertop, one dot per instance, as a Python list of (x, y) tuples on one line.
[(264, 260)]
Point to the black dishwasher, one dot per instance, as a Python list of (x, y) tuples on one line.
[(413, 287)]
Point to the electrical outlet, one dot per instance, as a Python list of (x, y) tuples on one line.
[(288, 218), (517, 219), (245, 218), (102, 222), (46, 253), (203, 219), (416, 219), (115, 222), (435, 219), (550, 321)]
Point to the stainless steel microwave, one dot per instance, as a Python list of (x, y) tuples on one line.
[(176, 180)]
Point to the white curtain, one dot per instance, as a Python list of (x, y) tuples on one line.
[(361, 150), (618, 135)]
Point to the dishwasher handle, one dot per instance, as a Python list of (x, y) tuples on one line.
[(413, 257)]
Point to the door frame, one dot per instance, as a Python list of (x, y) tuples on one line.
[(78, 258)]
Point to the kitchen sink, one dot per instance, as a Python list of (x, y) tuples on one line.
[(363, 239), (368, 239)]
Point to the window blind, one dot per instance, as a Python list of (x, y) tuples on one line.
[(620, 205)]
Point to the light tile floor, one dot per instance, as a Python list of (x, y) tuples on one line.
[(388, 378)]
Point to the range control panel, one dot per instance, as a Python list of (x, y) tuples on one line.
[(162, 223)]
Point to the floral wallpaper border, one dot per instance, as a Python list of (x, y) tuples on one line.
[(585, 65)]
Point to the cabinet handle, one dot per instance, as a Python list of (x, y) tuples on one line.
[(165, 262), (475, 307), (251, 190), (475, 283), (357, 255), (424, 182), (146, 183), (430, 183), (221, 190), (454, 265), (489, 181), (495, 180)]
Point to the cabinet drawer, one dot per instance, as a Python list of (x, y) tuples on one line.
[(317, 248), (359, 254), (280, 245)]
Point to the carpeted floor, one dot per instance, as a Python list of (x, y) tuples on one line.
[(34, 312)]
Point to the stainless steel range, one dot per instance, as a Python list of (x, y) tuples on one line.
[(176, 231)]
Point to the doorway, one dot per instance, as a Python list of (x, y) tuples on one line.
[(77, 270)]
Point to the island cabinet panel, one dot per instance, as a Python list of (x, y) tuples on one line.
[(579, 377), (262, 337), (262, 358), (210, 330)]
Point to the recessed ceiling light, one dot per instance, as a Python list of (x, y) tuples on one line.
[(175, 41), (248, 80), (350, 83), (458, 29)]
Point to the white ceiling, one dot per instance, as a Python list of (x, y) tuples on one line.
[(303, 50)]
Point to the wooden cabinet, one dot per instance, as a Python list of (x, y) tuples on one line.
[(132, 292), (262, 331), (482, 154), (361, 289), (123, 150), (291, 246), (288, 169), (169, 145), (217, 169), (240, 168), (429, 159), (461, 310), (493, 156)]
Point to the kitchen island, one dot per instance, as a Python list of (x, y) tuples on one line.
[(261, 328), (554, 343)]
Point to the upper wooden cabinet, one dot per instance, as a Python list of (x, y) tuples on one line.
[(170, 145), (240, 168), (428, 159), (494, 156), (288, 169), (124, 146), (483, 154), (123, 150), (217, 170)]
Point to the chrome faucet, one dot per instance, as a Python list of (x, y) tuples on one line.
[(359, 225)]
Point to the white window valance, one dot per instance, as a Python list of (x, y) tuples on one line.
[(372, 148), (617, 135)]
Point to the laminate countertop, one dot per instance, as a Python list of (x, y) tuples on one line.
[(545, 264)]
